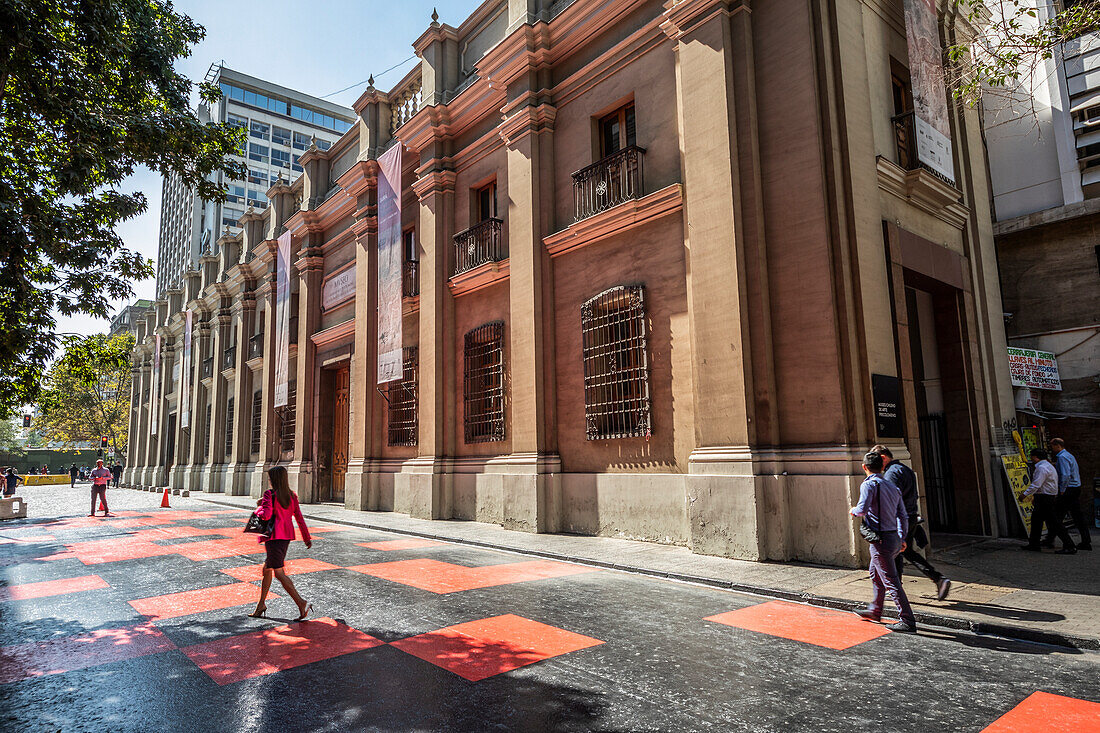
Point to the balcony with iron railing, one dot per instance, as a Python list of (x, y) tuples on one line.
[(207, 367), (905, 141), (609, 182), (480, 244), (256, 346), (410, 279), (293, 328), (229, 357)]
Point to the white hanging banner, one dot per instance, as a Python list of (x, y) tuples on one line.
[(932, 124), (282, 321), (185, 373), (389, 265), (154, 402)]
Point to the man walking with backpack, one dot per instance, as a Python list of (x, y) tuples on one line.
[(905, 479), (101, 477)]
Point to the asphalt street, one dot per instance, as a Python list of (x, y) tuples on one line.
[(139, 622)]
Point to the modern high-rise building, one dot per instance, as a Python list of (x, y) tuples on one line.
[(281, 124)]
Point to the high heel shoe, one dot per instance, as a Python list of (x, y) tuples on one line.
[(259, 613), (305, 613)]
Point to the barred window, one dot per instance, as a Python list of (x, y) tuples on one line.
[(206, 436), (616, 366), (229, 429), (402, 398), (483, 359), (257, 412), (287, 419)]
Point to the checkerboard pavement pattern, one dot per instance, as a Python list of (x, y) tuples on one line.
[(410, 633)]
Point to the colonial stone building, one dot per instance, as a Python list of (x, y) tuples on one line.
[(669, 269)]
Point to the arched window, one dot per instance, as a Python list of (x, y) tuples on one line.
[(616, 364)]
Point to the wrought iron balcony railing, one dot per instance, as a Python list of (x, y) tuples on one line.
[(479, 244), (293, 326), (608, 183), (256, 345), (207, 367), (905, 138), (229, 357), (410, 279)]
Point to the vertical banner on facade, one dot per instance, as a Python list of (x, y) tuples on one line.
[(282, 321), (154, 403), (185, 373), (931, 123), (389, 265)]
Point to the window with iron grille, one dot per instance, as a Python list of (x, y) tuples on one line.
[(287, 419), (257, 412), (206, 435), (229, 429), (402, 397), (483, 360), (616, 366)]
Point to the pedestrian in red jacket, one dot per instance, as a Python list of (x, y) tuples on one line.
[(281, 503)]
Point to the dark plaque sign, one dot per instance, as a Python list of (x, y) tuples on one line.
[(888, 415)]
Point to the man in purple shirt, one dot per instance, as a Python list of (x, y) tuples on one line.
[(883, 511)]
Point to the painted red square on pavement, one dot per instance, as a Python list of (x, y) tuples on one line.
[(409, 544), (252, 573), (46, 588), (214, 549), (1042, 711), (188, 602), (480, 649), (116, 550), (808, 624), (445, 577), (68, 654), (272, 650)]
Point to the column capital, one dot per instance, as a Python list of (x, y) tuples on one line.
[(526, 120), (683, 16), (434, 182)]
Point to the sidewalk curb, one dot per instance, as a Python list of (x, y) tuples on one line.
[(932, 619)]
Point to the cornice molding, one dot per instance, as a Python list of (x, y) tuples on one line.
[(681, 17), (924, 191), (478, 278), (622, 218), (335, 334), (434, 182), (525, 121)]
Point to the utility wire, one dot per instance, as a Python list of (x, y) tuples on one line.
[(381, 74)]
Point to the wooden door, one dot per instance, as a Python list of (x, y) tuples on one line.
[(340, 433)]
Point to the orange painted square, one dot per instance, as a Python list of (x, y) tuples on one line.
[(808, 624), (445, 577), (188, 602), (251, 573), (57, 656), (272, 650), (117, 549), (1043, 711), (480, 649), (409, 544), (46, 588), (214, 549)]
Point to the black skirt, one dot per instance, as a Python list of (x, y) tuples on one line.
[(276, 553)]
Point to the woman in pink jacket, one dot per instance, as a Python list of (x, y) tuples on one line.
[(280, 502)]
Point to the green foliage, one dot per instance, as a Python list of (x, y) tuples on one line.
[(87, 93), (9, 438), (86, 393), (1011, 44)]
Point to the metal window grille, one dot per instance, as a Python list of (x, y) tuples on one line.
[(206, 435), (257, 413), (616, 365), (402, 397), (287, 419), (229, 429), (484, 383)]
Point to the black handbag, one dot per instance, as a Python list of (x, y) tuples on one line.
[(264, 527), (869, 534)]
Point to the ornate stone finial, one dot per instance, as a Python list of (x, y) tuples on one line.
[(225, 231), (435, 16), (313, 142), (249, 212), (370, 81)]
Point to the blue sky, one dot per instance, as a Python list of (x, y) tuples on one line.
[(316, 47)]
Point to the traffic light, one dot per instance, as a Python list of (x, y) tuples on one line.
[(103, 442), (26, 421)]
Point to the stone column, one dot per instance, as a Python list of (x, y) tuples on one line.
[(430, 484), (266, 376), (214, 474), (237, 481), (159, 477), (531, 499), (310, 266), (193, 481)]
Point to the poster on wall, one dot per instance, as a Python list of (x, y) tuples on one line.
[(1031, 368), (932, 124), (185, 373), (889, 421), (1018, 479), (389, 265), (154, 408), (282, 320)]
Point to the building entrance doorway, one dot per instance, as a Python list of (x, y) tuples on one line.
[(170, 442), (333, 440)]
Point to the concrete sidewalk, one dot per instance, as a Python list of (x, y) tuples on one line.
[(997, 589)]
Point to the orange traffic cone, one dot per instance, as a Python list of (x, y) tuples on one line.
[(164, 502), (102, 505)]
